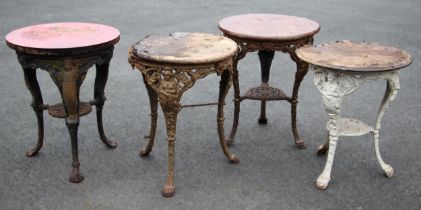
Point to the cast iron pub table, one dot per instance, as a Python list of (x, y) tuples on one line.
[(267, 33), (170, 65), (66, 51), (339, 69)]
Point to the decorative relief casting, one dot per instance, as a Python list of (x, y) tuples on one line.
[(289, 47), (68, 74), (166, 83), (334, 85)]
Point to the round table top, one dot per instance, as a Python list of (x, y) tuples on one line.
[(269, 27), (62, 36), (355, 56), (185, 48)]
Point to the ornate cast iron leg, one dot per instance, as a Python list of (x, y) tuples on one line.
[(333, 110), (302, 69), (38, 106), (333, 89), (266, 58), (390, 94), (223, 91), (70, 94), (153, 99), (170, 114), (100, 82), (237, 101)]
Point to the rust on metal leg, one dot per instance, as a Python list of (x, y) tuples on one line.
[(237, 101), (302, 69), (169, 97), (66, 51), (38, 106), (170, 66), (70, 94), (265, 92), (153, 100), (75, 176), (99, 97), (223, 91), (171, 122)]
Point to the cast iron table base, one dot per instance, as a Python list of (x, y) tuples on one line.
[(170, 66), (267, 33), (339, 69), (66, 51)]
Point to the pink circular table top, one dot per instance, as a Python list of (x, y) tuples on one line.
[(59, 36), (271, 27)]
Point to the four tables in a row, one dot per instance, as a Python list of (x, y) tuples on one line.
[(171, 65)]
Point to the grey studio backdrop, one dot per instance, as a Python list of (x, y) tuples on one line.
[(272, 173)]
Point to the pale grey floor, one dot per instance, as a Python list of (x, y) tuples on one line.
[(272, 174)]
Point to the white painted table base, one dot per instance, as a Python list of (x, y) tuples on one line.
[(334, 85)]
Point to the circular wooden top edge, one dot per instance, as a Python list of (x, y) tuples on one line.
[(63, 51), (358, 70), (248, 37), (269, 39), (170, 61), (353, 69), (18, 47)]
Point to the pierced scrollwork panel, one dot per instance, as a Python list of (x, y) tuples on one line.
[(177, 78), (57, 67), (334, 86), (246, 46)]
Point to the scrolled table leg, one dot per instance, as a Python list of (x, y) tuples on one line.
[(302, 69), (237, 100), (153, 100), (171, 122), (333, 89), (37, 105), (100, 82), (224, 86), (392, 89), (70, 95)]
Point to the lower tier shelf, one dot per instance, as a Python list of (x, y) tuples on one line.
[(265, 92), (352, 127), (57, 110)]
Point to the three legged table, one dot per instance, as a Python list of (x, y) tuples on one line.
[(171, 65), (339, 69), (267, 33), (66, 51)]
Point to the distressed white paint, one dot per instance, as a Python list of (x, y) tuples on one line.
[(334, 85)]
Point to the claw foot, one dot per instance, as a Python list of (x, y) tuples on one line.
[(76, 177), (31, 152), (322, 150), (322, 182), (168, 190), (234, 159), (111, 144), (300, 144), (388, 170), (144, 152)]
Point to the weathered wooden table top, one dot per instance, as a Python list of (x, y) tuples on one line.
[(185, 48), (270, 27), (59, 36), (355, 56)]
